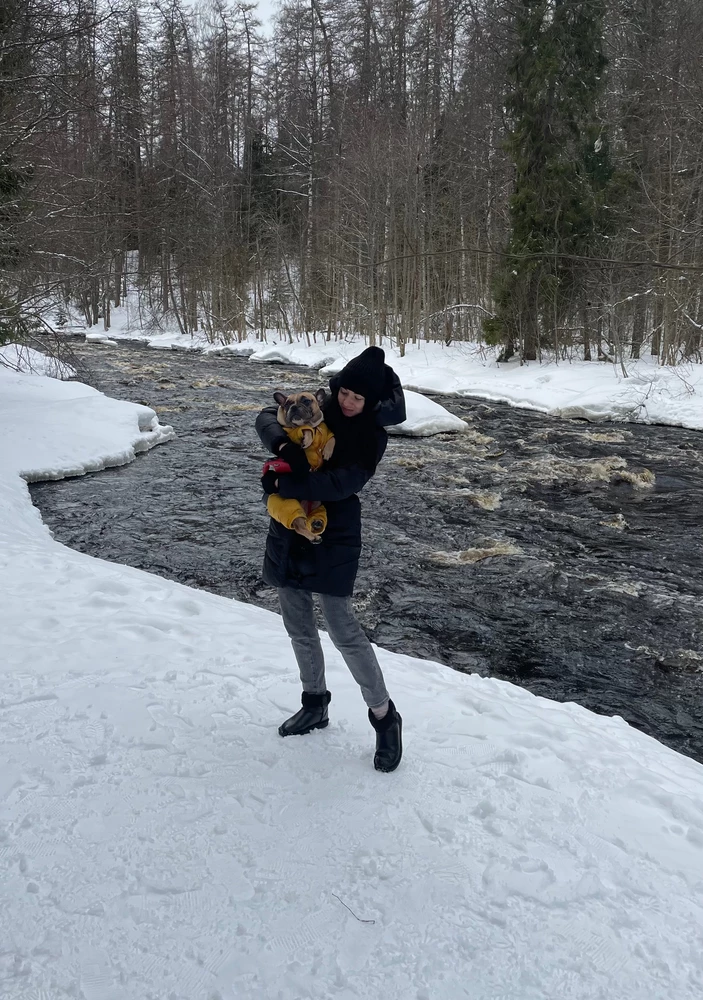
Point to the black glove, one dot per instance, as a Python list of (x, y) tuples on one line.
[(268, 481), (295, 456)]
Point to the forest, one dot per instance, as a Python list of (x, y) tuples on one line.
[(526, 174)]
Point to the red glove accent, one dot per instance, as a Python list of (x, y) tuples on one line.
[(276, 465)]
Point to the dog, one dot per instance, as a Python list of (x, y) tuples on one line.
[(301, 417)]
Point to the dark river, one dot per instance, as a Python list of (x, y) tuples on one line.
[(560, 555)]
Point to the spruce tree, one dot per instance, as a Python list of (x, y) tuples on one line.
[(562, 169), (13, 323), (14, 178)]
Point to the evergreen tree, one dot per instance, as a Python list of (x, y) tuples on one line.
[(14, 48), (562, 169), (12, 183)]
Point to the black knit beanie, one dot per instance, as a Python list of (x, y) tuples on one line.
[(365, 375)]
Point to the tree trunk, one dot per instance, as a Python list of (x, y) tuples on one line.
[(638, 318)]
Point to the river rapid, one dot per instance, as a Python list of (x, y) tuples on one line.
[(563, 556)]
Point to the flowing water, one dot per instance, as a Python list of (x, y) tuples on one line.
[(560, 555)]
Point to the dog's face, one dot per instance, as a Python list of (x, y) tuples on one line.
[(300, 408)]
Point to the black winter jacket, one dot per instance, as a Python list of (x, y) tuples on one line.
[(331, 566)]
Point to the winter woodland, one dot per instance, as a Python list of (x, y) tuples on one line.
[(522, 172)]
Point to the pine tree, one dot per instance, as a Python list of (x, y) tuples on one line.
[(562, 169)]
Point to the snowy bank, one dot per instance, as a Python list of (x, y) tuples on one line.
[(54, 429), (425, 417), (592, 390), (20, 358), (159, 840)]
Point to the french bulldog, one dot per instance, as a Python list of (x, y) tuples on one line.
[(301, 416)]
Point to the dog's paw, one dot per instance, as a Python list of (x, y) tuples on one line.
[(306, 439), (300, 527), (328, 449)]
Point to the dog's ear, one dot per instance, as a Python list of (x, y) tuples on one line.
[(321, 396), (280, 397)]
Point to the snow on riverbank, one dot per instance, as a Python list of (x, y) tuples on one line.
[(425, 417), (591, 390), (159, 840), (73, 428), (20, 358)]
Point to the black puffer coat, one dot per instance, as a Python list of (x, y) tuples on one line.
[(331, 566)]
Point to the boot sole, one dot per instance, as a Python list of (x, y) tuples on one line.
[(302, 732)]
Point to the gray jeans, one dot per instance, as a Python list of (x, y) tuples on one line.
[(344, 631)]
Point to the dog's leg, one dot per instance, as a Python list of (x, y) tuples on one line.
[(328, 449), (301, 528)]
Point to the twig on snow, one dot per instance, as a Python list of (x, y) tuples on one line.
[(360, 919)]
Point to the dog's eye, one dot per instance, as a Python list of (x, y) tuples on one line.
[(305, 401)]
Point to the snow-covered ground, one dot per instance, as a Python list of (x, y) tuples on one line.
[(159, 841), (593, 390), (20, 358), (425, 417)]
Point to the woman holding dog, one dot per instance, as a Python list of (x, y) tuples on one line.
[(366, 396)]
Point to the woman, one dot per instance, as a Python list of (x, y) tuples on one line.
[(366, 396)]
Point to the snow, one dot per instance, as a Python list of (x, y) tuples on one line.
[(591, 390), (20, 358), (72, 427), (651, 393), (425, 417), (159, 841), (298, 353), (100, 338)]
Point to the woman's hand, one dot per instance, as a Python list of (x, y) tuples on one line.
[(295, 456), (269, 482)]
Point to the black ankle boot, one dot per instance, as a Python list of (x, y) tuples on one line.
[(313, 715), (389, 739)]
